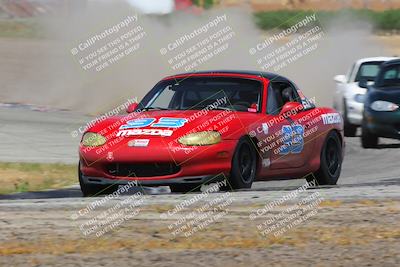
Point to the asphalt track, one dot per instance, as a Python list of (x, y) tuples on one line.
[(30, 135)]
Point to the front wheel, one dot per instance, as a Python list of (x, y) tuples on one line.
[(91, 190), (244, 165), (331, 161), (368, 139)]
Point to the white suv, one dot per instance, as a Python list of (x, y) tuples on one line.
[(349, 97)]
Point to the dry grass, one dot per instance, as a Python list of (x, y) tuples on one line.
[(207, 240), (331, 203), (23, 177)]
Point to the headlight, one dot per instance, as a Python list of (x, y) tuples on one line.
[(201, 138), (384, 106), (93, 139), (359, 98)]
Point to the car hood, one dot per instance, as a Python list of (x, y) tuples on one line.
[(228, 123), (353, 89), (391, 94)]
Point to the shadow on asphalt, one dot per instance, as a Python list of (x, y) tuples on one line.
[(387, 182), (387, 145), (62, 193), (383, 146), (75, 192)]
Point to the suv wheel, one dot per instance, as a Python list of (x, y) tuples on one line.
[(368, 139)]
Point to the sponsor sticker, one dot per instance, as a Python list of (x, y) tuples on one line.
[(331, 118), (110, 156), (139, 142), (266, 163)]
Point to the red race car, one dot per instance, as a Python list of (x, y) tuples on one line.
[(198, 128)]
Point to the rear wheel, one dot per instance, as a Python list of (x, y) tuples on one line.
[(331, 161), (90, 190), (244, 165), (184, 188), (368, 139), (350, 130)]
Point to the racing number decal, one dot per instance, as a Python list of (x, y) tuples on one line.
[(170, 123), (162, 123), (138, 123), (293, 141)]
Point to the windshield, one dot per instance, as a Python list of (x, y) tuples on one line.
[(389, 76), (200, 92), (368, 71)]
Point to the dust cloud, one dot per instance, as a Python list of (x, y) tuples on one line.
[(46, 73), (345, 40), (136, 74)]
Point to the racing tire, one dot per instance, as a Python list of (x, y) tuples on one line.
[(184, 188), (368, 139), (350, 130), (331, 161), (244, 165), (91, 190)]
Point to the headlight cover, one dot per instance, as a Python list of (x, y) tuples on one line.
[(359, 98), (201, 138), (384, 106), (93, 139)]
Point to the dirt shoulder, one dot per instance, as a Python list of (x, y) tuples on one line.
[(392, 42), (365, 232)]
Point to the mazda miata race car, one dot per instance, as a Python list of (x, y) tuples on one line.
[(198, 128)]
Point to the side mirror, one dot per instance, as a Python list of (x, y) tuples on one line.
[(253, 108), (363, 83), (131, 108), (291, 108), (340, 78)]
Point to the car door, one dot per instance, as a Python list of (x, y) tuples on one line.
[(269, 130), (291, 149)]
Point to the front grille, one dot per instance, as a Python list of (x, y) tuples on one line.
[(142, 169)]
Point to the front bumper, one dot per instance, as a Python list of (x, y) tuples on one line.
[(157, 164), (383, 124), (354, 111), (205, 179)]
